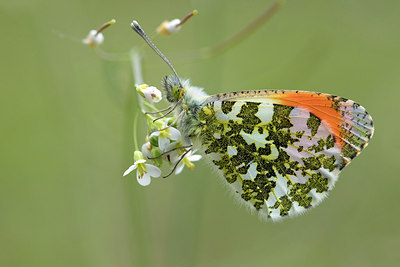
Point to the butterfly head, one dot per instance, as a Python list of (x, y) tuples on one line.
[(174, 88)]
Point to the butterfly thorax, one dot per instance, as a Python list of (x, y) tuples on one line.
[(191, 101)]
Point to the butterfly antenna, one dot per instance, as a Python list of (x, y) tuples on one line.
[(135, 25)]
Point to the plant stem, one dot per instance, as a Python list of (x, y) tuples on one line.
[(245, 32), (136, 61), (135, 131), (137, 197)]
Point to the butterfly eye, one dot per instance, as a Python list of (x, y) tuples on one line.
[(178, 92), (173, 88)]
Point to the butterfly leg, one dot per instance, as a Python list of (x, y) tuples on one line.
[(176, 164)]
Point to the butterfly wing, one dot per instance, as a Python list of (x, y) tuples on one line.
[(282, 151)]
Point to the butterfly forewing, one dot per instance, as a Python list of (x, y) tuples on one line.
[(281, 151)]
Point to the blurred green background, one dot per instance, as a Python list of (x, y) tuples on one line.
[(66, 135)]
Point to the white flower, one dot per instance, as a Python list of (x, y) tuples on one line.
[(94, 38), (168, 27), (144, 171), (146, 150), (187, 160), (165, 136), (172, 157), (151, 93)]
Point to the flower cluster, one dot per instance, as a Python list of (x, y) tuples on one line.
[(164, 144)]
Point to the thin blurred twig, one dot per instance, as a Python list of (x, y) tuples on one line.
[(245, 32)]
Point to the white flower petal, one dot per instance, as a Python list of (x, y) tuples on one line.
[(130, 169), (146, 152), (171, 146), (194, 157), (94, 40), (173, 157), (145, 180), (179, 169), (140, 161), (172, 26), (156, 133), (163, 143), (153, 171), (152, 94), (175, 134)]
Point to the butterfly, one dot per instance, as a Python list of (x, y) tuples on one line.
[(280, 151)]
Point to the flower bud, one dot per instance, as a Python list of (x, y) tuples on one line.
[(94, 38), (154, 140), (150, 93), (168, 27)]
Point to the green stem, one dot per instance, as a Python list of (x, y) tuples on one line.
[(136, 63), (139, 211), (135, 120), (150, 106)]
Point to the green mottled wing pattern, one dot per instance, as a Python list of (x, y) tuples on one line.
[(280, 160)]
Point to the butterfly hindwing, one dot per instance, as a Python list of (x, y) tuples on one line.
[(281, 156)]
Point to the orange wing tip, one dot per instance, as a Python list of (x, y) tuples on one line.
[(350, 123)]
